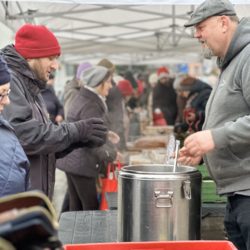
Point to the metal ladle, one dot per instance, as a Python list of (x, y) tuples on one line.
[(177, 146), (172, 151)]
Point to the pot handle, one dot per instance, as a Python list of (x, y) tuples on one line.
[(164, 200), (187, 189)]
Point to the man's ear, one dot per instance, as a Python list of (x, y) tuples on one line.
[(224, 23)]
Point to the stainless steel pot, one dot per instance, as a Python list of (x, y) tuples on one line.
[(155, 203)]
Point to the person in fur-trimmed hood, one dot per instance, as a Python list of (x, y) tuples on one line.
[(196, 93)]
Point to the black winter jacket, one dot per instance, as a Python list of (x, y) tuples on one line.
[(196, 101), (52, 102), (164, 97), (40, 138)]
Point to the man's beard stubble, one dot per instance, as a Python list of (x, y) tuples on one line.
[(207, 52), (41, 80)]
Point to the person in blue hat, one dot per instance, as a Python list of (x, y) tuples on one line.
[(14, 165)]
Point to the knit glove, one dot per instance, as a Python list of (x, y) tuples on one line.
[(92, 131), (110, 152)]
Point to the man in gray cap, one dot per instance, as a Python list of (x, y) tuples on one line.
[(211, 10), (225, 140)]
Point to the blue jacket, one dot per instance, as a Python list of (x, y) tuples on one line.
[(14, 165)]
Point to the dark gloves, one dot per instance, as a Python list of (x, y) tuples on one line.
[(111, 152), (92, 131), (105, 155)]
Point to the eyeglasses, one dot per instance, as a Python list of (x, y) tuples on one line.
[(4, 95)]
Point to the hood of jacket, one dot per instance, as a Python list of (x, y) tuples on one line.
[(18, 64), (199, 86), (240, 40)]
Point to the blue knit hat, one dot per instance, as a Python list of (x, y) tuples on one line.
[(81, 68), (4, 72)]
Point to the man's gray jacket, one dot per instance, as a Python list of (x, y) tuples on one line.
[(228, 117)]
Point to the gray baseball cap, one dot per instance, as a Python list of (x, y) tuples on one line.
[(210, 8)]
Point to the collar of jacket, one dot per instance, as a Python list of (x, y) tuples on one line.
[(92, 90), (239, 41), (17, 63), (5, 123)]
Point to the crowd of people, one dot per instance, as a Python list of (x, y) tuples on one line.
[(102, 110), (77, 136)]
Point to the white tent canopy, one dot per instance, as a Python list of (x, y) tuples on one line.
[(127, 32)]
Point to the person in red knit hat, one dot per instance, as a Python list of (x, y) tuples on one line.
[(31, 60), (162, 72), (36, 42), (164, 98)]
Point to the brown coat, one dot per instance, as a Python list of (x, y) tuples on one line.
[(87, 161)]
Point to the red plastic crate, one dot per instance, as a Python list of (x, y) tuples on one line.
[(167, 245)]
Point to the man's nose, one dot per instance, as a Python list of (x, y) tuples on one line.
[(6, 100), (55, 64), (196, 33)]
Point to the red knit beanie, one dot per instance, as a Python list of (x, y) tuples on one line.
[(36, 41), (125, 87), (162, 72)]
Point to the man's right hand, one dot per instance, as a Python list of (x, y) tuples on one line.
[(199, 143), (195, 146), (92, 131)]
